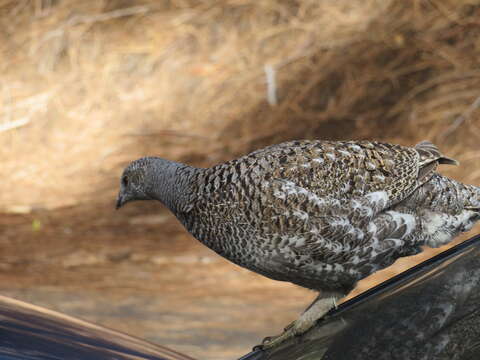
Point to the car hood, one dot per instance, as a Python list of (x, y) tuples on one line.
[(429, 312), (31, 332)]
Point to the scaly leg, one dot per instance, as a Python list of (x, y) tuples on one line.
[(320, 306)]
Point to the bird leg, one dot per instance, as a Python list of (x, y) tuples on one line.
[(320, 306)]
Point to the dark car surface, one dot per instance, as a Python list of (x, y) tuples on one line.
[(31, 332), (430, 312)]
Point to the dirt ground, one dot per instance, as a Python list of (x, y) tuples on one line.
[(141, 273), (138, 271)]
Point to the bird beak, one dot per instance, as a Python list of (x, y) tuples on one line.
[(120, 202)]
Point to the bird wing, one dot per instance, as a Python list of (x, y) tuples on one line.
[(309, 186), (313, 176), (345, 170), (328, 194)]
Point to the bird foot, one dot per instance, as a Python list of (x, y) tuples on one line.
[(293, 329), (306, 321)]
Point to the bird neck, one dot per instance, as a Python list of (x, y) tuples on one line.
[(171, 184)]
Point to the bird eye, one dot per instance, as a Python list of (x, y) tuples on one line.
[(125, 181)]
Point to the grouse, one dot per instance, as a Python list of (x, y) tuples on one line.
[(319, 214)]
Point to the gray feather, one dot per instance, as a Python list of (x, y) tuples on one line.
[(320, 214)]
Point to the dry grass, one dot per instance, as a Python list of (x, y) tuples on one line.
[(87, 86)]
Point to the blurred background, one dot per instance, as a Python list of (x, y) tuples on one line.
[(87, 86)]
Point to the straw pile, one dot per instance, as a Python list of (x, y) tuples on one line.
[(87, 86)]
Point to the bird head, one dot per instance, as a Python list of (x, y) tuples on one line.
[(134, 182), (153, 178)]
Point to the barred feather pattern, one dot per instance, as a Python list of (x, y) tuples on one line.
[(325, 214), (321, 214)]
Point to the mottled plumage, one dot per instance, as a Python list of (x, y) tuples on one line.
[(320, 214)]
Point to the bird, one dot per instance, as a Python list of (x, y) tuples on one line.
[(319, 214)]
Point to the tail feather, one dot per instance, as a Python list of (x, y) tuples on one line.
[(447, 208), (429, 152), (447, 195), (470, 194), (448, 161), (474, 199)]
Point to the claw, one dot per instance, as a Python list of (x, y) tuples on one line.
[(288, 327), (257, 348), (316, 311), (267, 339), (272, 341)]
